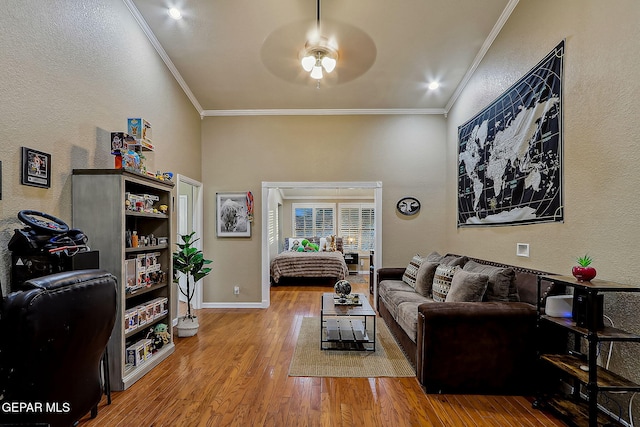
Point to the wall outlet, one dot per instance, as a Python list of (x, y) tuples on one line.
[(522, 249), (362, 262), (236, 290)]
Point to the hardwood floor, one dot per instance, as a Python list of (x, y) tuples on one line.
[(234, 373)]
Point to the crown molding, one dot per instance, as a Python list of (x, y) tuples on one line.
[(324, 112), (506, 13), (163, 54)]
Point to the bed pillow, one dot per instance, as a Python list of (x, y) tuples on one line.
[(442, 281), (323, 244), (288, 242), (467, 287), (410, 273)]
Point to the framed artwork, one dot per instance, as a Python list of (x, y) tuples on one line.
[(36, 168), (232, 215), (408, 206)]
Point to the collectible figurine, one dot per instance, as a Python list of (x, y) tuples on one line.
[(161, 331)]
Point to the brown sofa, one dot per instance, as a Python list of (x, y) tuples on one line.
[(485, 347)]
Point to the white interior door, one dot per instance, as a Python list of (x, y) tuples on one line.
[(189, 220), (183, 228)]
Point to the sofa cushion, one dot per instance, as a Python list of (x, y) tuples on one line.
[(467, 287), (407, 318), (442, 281), (501, 285), (410, 273), (393, 300), (387, 286), (424, 278)]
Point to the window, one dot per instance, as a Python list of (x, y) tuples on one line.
[(313, 219), (356, 226)]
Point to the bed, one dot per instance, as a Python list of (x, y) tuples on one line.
[(319, 266)]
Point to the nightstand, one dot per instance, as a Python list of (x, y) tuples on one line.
[(351, 259)]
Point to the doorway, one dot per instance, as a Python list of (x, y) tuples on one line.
[(189, 213), (271, 234)]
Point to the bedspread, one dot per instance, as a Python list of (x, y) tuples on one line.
[(308, 264)]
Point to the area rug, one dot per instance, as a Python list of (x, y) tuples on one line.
[(355, 279), (309, 361)]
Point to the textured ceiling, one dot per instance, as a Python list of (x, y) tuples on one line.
[(244, 54)]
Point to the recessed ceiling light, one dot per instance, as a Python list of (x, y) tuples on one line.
[(434, 85), (175, 13)]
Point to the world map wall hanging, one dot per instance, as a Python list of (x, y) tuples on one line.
[(510, 154)]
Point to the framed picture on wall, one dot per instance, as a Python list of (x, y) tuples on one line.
[(36, 168), (232, 215)]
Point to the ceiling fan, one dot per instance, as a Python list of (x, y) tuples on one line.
[(319, 53), (309, 52)]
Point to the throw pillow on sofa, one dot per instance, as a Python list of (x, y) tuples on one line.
[(442, 281), (452, 260), (410, 273), (467, 287), (433, 257), (502, 286), (424, 277)]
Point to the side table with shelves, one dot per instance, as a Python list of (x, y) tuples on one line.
[(582, 369), (145, 296)]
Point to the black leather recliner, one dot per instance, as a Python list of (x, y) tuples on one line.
[(53, 334)]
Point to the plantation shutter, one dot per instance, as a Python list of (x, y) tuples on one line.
[(303, 223), (368, 229), (350, 228), (324, 222), (313, 220), (357, 226)]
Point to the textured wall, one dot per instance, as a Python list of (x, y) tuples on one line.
[(404, 152), (601, 156), (72, 72)]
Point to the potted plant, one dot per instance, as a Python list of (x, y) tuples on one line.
[(583, 271), (190, 261)]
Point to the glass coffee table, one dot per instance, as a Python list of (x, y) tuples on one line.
[(347, 326)]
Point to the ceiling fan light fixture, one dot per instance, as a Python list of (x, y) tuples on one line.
[(328, 63), (308, 62), (318, 57), (316, 72)]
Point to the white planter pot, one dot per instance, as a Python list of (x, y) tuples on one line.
[(187, 327)]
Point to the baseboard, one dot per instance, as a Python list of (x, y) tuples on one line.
[(234, 305)]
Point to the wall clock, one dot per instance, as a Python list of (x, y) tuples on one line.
[(408, 206)]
